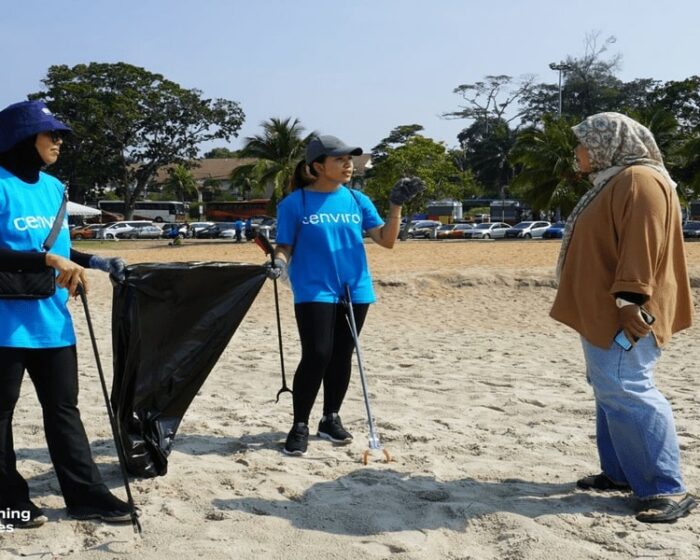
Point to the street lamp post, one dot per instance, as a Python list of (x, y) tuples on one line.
[(561, 67)]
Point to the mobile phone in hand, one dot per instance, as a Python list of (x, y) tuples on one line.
[(622, 340)]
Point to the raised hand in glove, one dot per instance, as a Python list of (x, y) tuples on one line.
[(114, 266), (406, 189), (278, 270), (630, 319)]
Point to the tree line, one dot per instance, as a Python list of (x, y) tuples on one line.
[(128, 123)]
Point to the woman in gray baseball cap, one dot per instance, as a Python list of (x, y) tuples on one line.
[(320, 243), (37, 335)]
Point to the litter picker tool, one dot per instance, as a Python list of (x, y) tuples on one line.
[(374, 443), (264, 243), (120, 452)]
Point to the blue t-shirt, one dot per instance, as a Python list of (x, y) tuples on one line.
[(27, 212), (325, 231)]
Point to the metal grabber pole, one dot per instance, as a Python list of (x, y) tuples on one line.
[(120, 451), (374, 443), (264, 243)]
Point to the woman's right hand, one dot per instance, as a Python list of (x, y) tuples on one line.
[(70, 274)]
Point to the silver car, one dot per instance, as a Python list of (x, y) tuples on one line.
[(528, 230), (145, 232), (490, 230)]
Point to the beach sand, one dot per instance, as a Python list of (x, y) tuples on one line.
[(479, 396)]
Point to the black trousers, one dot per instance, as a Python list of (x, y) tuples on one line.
[(54, 373), (326, 356)]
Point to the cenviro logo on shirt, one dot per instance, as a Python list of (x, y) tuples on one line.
[(327, 218), (25, 223)]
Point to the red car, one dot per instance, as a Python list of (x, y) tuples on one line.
[(454, 231), (86, 232)]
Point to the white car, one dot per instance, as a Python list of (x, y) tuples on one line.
[(196, 227), (528, 230), (122, 230), (488, 230), (146, 232)]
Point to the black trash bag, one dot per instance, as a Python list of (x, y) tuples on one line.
[(170, 324)]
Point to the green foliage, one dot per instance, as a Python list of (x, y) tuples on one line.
[(220, 153), (485, 145), (540, 152), (397, 137), (128, 123), (276, 151), (424, 158), (547, 180), (180, 185)]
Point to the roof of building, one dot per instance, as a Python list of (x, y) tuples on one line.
[(221, 168)]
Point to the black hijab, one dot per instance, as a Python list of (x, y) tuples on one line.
[(23, 160)]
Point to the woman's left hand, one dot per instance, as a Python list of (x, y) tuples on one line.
[(114, 266), (631, 321)]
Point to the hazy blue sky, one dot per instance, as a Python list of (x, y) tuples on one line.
[(354, 69)]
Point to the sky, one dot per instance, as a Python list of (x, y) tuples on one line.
[(355, 69)]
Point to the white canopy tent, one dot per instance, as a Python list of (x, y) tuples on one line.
[(75, 209)]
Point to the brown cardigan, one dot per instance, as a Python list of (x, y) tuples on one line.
[(629, 239)]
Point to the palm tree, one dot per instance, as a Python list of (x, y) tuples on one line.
[(547, 179), (181, 183), (276, 151)]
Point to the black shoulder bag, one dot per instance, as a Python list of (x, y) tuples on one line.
[(20, 284)]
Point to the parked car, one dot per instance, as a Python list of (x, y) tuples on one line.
[(146, 232), (215, 230), (196, 227), (229, 233), (460, 231), (86, 232), (171, 231), (443, 231), (122, 230), (555, 231), (527, 230), (691, 230), (268, 228), (487, 230), (454, 231), (423, 228)]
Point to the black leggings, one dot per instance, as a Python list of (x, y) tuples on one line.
[(326, 355), (54, 373)]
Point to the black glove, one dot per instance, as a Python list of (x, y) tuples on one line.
[(406, 189), (114, 266)]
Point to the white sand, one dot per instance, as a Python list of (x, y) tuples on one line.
[(478, 394)]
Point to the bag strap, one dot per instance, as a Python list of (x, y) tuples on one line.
[(57, 223)]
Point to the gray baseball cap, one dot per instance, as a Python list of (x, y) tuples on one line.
[(327, 145)]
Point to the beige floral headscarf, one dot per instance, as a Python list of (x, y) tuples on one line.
[(614, 142)]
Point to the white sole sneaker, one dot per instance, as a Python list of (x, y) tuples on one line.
[(293, 453), (324, 435)]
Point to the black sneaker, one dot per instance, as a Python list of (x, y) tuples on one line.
[(29, 516), (297, 440), (331, 428), (107, 508)]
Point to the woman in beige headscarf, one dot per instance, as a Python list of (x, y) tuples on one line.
[(622, 254)]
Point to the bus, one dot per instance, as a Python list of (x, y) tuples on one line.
[(508, 211), (153, 210), (227, 211)]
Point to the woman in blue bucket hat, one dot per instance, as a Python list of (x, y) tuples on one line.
[(37, 335)]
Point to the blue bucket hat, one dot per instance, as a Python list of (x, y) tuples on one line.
[(24, 119)]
